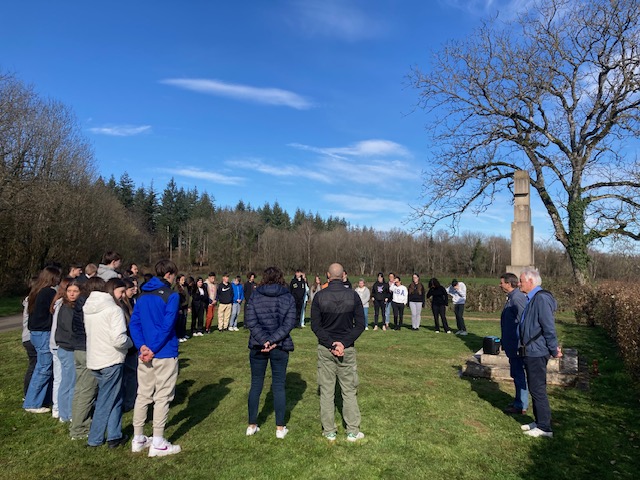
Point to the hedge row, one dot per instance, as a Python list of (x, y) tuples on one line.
[(490, 298), (616, 307)]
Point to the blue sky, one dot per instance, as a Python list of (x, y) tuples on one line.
[(300, 101)]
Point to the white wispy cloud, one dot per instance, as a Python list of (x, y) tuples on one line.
[(334, 19), (287, 171), (506, 9), (204, 175), (369, 162), (267, 96), (365, 148), (358, 204), (121, 130)]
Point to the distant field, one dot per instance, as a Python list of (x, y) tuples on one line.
[(10, 305)]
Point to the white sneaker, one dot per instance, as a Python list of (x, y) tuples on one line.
[(449, 331), (462, 333), (252, 430), (366, 328), (164, 450), (38, 410), (137, 446), (302, 326), (437, 331), (529, 426), (536, 432), (55, 414), (181, 340), (352, 437), (282, 433), (235, 329)]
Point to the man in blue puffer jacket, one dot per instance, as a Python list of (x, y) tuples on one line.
[(153, 330), (538, 342)]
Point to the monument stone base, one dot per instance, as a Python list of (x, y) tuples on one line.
[(562, 371)]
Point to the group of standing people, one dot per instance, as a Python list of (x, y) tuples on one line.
[(101, 349), (98, 323), (391, 297), (100, 330)]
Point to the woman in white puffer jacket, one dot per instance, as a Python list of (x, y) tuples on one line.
[(107, 345)]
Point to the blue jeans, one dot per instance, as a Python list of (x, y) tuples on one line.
[(235, 311), (536, 368), (387, 313), (516, 370), (107, 415), (258, 362), (303, 311), (57, 376), (366, 316), (42, 374), (67, 383), (458, 309)]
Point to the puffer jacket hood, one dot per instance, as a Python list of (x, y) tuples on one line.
[(97, 302), (272, 290), (154, 284)]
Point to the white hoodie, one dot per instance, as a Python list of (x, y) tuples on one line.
[(107, 339)]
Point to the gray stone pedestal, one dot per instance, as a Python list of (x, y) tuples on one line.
[(560, 371)]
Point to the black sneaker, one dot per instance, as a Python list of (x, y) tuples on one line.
[(118, 442)]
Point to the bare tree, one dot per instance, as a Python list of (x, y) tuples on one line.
[(555, 92)]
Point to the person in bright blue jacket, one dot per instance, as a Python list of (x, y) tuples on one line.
[(271, 315), (238, 298), (153, 331), (538, 342)]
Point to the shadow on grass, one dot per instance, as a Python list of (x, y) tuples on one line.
[(295, 387), (472, 341), (595, 432), (489, 391), (183, 362), (200, 405)]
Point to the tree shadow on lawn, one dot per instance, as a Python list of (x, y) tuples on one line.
[(295, 387), (595, 431), (489, 391), (200, 405), (472, 341)]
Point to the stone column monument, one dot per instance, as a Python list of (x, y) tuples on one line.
[(521, 228)]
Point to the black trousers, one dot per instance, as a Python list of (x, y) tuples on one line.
[(378, 305), (398, 312), (439, 312), (33, 358), (197, 317)]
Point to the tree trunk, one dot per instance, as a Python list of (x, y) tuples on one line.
[(576, 241)]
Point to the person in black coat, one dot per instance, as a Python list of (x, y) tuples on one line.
[(271, 315), (199, 304), (380, 294), (439, 301)]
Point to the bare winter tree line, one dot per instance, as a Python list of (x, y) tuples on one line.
[(53, 207)]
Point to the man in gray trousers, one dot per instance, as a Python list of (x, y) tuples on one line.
[(337, 319)]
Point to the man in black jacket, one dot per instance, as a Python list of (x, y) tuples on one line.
[(337, 319)]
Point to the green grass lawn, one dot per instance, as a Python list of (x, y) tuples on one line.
[(420, 418), (10, 305)]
